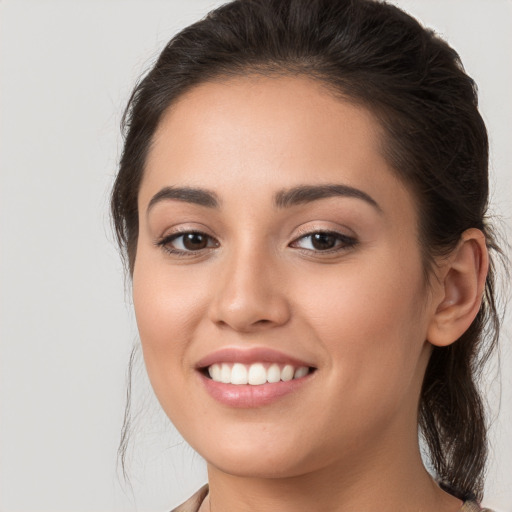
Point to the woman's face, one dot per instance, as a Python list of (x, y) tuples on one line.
[(275, 242)]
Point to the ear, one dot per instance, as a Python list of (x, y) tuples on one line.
[(462, 283)]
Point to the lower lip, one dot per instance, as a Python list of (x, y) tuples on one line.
[(247, 396)]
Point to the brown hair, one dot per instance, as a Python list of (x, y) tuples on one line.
[(374, 54)]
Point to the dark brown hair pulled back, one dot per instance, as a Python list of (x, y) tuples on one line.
[(373, 54)]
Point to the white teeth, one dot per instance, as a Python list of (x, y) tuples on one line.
[(287, 373), (274, 373), (301, 372), (238, 374), (215, 372), (255, 374), (225, 373)]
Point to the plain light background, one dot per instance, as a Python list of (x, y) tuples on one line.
[(66, 325)]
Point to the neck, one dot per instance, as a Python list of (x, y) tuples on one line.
[(384, 480)]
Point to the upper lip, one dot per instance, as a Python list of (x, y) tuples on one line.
[(249, 356)]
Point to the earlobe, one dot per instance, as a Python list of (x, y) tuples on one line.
[(462, 286)]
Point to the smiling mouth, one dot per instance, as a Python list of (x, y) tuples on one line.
[(255, 374)]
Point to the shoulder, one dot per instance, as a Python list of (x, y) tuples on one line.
[(472, 506), (194, 502)]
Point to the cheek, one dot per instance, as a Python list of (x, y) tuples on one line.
[(167, 309), (364, 297), (369, 318)]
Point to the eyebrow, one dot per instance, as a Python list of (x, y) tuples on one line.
[(308, 193), (286, 198), (199, 196)]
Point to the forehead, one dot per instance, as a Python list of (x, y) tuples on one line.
[(246, 113), (258, 132)]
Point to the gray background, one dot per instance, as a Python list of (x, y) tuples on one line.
[(66, 323)]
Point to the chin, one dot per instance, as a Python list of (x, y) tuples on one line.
[(252, 458), (253, 467)]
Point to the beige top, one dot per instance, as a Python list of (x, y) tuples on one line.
[(193, 503)]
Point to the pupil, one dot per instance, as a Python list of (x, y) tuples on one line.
[(323, 241), (194, 241)]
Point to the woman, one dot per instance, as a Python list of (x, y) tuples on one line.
[(301, 200)]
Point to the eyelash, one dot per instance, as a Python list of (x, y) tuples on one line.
[(165, 242), (343, 243)]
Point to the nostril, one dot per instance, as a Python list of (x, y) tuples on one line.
[(245, 308)]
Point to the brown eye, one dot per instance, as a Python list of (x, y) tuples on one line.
[(195, 241), (189, 242), (324, 241)]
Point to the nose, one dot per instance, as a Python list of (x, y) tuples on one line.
[(250, 293)]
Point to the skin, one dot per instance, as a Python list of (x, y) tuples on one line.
[(347, 440)]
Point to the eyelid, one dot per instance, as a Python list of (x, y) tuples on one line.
[(348, 241), (183, 228), (344, 242), (164, 241), (318, 227)]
